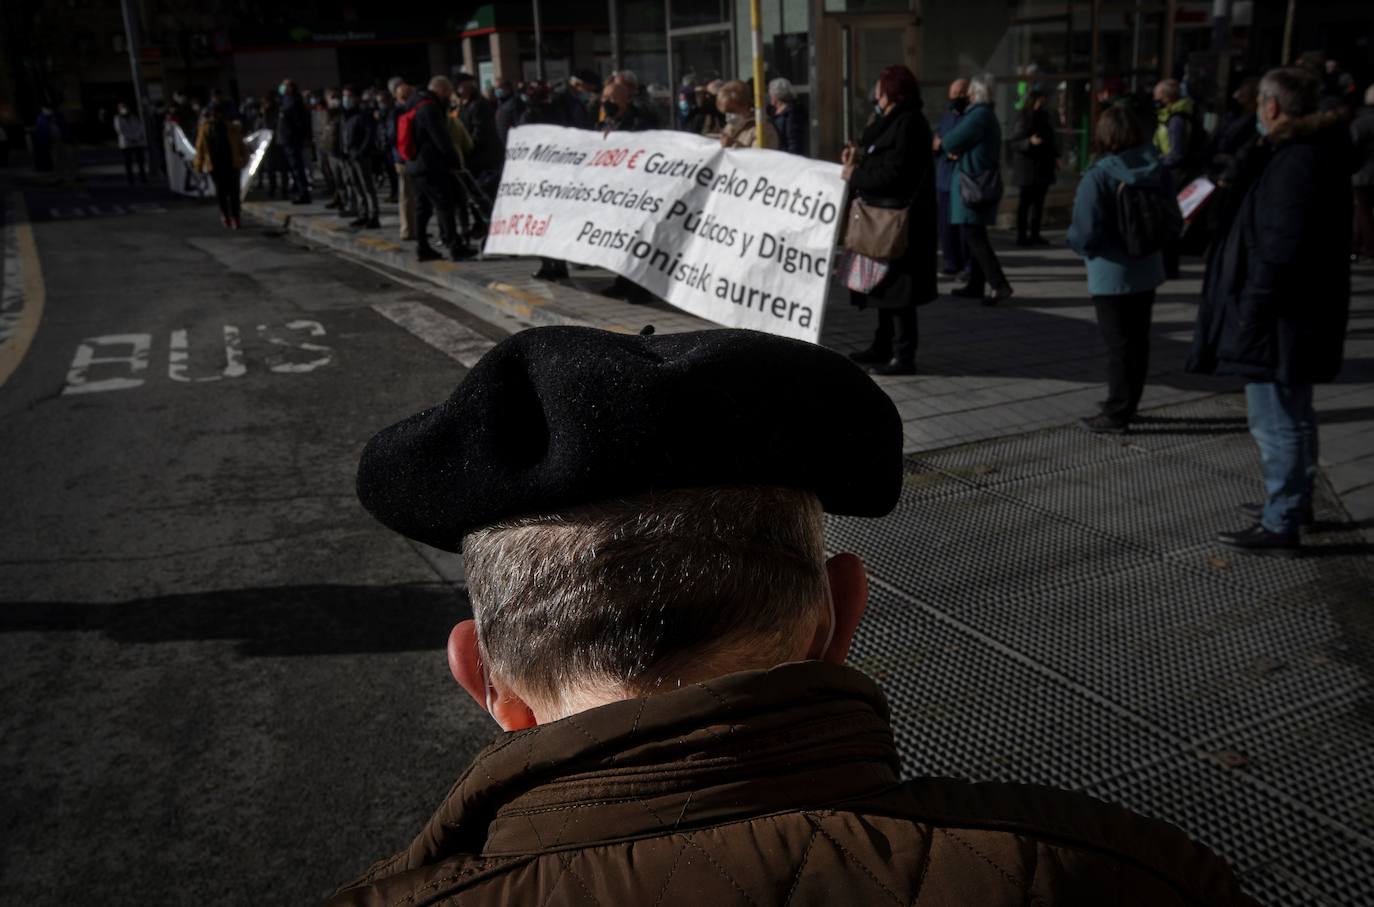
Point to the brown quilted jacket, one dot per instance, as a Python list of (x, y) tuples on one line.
[(762, 788)]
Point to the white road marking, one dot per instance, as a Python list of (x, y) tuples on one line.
[(452, 338), (295, 368), (178, 357), (136, 360)]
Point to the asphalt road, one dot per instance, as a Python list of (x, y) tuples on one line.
[(223, 682)]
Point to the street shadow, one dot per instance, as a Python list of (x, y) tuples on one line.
[(274, 621)]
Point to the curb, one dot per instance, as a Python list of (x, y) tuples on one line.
[(501, 297)]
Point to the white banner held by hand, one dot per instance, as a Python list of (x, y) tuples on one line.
[(740, 237)]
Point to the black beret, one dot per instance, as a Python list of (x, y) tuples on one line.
[(555, 417)]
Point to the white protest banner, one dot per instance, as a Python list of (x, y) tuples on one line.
[(740, 237), (182, 177)]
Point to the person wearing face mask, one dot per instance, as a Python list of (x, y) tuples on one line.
[(343, 202), (132, 141), (706, 119), (976, 145), (953, 248), (737, 105), (358, 138), (1276, 297), (293, 125), (584, 91), (618, 114), (510, 106), (789, 117), (891, 168)]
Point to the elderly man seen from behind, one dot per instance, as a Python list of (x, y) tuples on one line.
[(658, 631)]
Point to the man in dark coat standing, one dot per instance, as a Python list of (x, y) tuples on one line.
[(432, 172), (1277, 296), (1033, 157), (890, 168), (488, 148), (953, 249), (293, 131)]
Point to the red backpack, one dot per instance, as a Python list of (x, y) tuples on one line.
[(407, 143)]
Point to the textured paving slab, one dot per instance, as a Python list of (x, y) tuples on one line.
[(1051, 608)]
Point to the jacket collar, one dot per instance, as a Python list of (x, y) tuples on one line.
[(1305, 126), (799, 735)]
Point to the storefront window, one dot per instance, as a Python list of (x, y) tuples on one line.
[(691, 13)]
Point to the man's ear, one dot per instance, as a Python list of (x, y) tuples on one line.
[(465, 664), (849, 591)]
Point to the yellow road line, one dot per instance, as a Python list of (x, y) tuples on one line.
[(17, 344)]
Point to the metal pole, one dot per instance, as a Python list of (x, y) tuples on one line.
[(1287, 57), (756, 29), (1166, 57), (1135, 48), (1096, 62), (538, 43), (613, 11), (132, 44), (846, 82)]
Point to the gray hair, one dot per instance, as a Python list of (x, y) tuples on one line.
[(627, 592), (392, 82), (980, 89), (1369, 95), (1295, 89), (782, 89), (1170, 89), (441, 84), (627, 76)]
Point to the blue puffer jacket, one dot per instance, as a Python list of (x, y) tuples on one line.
[(1094, 234)]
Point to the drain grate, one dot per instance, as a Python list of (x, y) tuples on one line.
[(1051, 608)]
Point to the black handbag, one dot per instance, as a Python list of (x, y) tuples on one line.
[(979, 190)]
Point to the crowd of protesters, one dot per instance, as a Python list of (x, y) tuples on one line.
[(437, 152)]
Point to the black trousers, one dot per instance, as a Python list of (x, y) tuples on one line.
[(295, 165), (953, 246), (227, 190), (436, 193), (133, 157), (1125, 324), (1030, 210), (898, 334), (986, 268)]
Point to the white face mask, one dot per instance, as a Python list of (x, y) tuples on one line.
[(735, 119)]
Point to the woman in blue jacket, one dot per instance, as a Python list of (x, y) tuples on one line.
[(976, 144), (1122, 286)]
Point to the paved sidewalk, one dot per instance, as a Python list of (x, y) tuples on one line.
[(1033, 363)]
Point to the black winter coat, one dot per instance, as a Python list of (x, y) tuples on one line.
[(293, 122), (895, 165), (358, 134), (1032, 165), (1277, 292), (793, 134), (488, 150), (433, 143)]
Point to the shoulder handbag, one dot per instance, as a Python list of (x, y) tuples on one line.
[(877, 228), (980, 190)]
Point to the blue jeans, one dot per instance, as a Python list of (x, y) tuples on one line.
[(1284, 425)]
